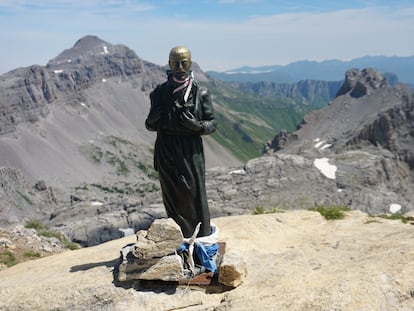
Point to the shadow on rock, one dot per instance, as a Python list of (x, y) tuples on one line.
[(139, 285), (87, 266), (153, 286)]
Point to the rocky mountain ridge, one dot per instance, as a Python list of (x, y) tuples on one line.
[(312, 93), (75, 123), (315, 94), (75, 69), (323, 163), (86, 169), (365, 133)]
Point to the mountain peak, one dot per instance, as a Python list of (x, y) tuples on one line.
[(89, 41), (84, 48), (362, 82)]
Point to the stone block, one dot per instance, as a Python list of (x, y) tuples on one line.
[(153, 256), (162, 238), (165, 229), (167, 268)]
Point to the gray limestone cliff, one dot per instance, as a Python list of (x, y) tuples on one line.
[(367, 134), (27, 92)]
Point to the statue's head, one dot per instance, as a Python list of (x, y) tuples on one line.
[(180, 62)]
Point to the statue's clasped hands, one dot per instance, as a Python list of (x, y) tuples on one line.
[(189, 121)]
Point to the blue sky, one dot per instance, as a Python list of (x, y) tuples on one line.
[(222, 34)]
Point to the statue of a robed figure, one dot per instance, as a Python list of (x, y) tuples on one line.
[(181, 112)]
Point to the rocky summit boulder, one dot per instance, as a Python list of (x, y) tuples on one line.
[(360, 83), (294, 260)]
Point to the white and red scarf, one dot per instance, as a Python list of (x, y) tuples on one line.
[(186, 83)]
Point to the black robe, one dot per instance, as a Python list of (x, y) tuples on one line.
[(179, 154)]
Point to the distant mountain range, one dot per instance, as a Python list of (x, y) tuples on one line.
[(329, 70)]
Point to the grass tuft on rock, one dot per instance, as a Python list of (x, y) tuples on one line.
[(42, 230), (331, 212), (60, 237), (35, 224), (397, 216), (7, 258), (32, 254), (259, 210)]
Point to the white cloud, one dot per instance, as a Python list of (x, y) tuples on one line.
[(216, 44), (280, 39), (95, 6)]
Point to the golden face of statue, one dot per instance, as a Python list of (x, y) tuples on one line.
[(180, 62)]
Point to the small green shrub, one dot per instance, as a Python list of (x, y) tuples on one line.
[(259, 210), (149, 171), (82, 187), (122, 168), (7, 258), (32, 254), (113, 140), (50, 234), (331, 212), (60, 237), (70, 245), (138, 189), (26, 198), (108, 188), (397, 216), (112, 159), (34, 224), (97, 154), (148, 187)]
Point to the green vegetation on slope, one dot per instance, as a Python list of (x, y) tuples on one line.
[(42, 230), (7, 258), (246, 122)]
